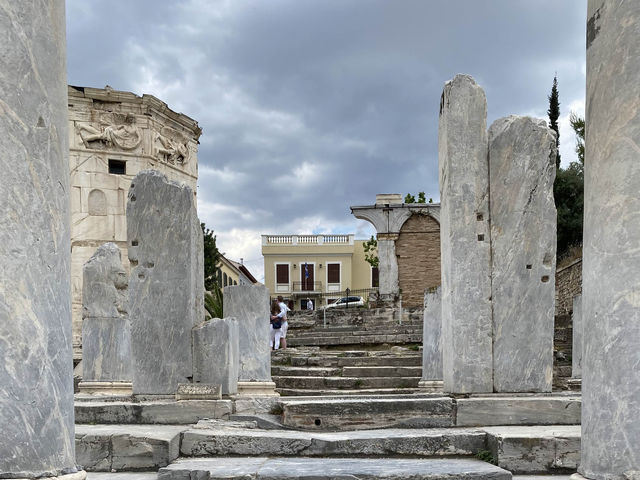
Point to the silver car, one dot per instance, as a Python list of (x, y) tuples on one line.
[(347, 302)]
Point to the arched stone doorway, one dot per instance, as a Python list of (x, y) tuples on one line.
[(418, 252)]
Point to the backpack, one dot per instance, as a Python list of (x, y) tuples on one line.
[(277, 324)]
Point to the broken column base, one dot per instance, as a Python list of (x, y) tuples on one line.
[(106, 388), (431, 385), (255, 389)]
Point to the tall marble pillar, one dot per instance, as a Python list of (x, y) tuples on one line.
[(464, 238), (522, 167), (36, 379), (577, 343), (611, 252), (388, 265)]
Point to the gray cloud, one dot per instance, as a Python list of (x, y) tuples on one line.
[(308, 107)]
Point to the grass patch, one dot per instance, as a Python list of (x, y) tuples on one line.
[(486, 456)]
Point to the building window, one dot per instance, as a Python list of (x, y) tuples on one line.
[(282, 273), (333, 273), (117, 167), (224, 279), (375, 277), (220, 278), (235, 283)]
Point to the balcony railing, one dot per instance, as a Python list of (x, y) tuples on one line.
[(322, 239), (307, 287)]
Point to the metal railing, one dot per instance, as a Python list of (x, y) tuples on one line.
[(307, 286)]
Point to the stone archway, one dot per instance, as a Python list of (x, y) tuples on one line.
[(418, 252)]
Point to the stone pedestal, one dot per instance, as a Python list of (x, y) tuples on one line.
[(166, 286), (216, 348), (611, 252), (249, 305), (432, 345), (464, 238), (36, 379), (522, 156), (106, 332)]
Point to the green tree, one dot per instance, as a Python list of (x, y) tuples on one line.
[(554, 114), (211, 259), (408, 198), (577, 123), (371, 251), (421, 198), (568, 191)]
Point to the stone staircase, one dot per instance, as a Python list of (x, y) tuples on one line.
[(322, 371), (407, 436), (355, 326)]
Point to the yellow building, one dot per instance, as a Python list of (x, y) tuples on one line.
[(318, 267), (233, 273)]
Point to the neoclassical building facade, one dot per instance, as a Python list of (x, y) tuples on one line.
[(112, 136)]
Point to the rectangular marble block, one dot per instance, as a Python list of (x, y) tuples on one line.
[(106, 350), (464, 238), (249, 305), (199, 391), (577, 328), (431, 335), (166, 291), (216, 345), (522, 154)]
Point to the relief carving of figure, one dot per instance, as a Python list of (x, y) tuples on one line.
[(121, 132), (172, 147)]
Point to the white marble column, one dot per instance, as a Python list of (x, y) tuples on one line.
[(611, 264), (36, 379), (432, 340), (388, 265)]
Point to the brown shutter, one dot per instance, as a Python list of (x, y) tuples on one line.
[(282, 273), (333, 273), (375, 277)]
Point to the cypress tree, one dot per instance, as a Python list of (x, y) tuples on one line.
[(554, 114)]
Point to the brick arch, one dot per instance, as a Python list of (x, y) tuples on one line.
[(418, 251)]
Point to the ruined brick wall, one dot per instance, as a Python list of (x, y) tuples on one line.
[(418, 251), (568, 285)]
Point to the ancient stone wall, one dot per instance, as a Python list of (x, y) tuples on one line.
[(418, 251), (568, 285)]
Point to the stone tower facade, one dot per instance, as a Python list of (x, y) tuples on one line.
[(112, 136)]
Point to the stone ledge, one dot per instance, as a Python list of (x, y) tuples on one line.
[(106, 388)]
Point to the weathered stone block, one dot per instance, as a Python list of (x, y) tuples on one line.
[(199, 391), (166, 287), (611, 259), (105, 329), (249, 305), (522, 153), (464, 238), (216, 345), (578, 338), (36, 379), (431, 335)]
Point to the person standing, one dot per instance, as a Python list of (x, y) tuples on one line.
[(309, 304), (285, 324), (275, 328)]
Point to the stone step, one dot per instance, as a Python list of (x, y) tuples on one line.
[(167, 412), (279, 370), (535, 449), (122, 476), (389, 360), (112, 448), (361, 413), (525, 450), (290, 392), (382, 371), (357, 329), (272, 468), (354, 340), (376, 412), (309, 382), (220, 441)]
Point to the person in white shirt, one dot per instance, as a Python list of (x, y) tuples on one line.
[(285, 324), (309, 304)]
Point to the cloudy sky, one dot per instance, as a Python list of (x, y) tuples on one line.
[(310, 106)]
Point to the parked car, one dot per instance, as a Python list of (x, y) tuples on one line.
[(346, 302)]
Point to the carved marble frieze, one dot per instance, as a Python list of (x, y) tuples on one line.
[(171, 146), (113, 130)]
